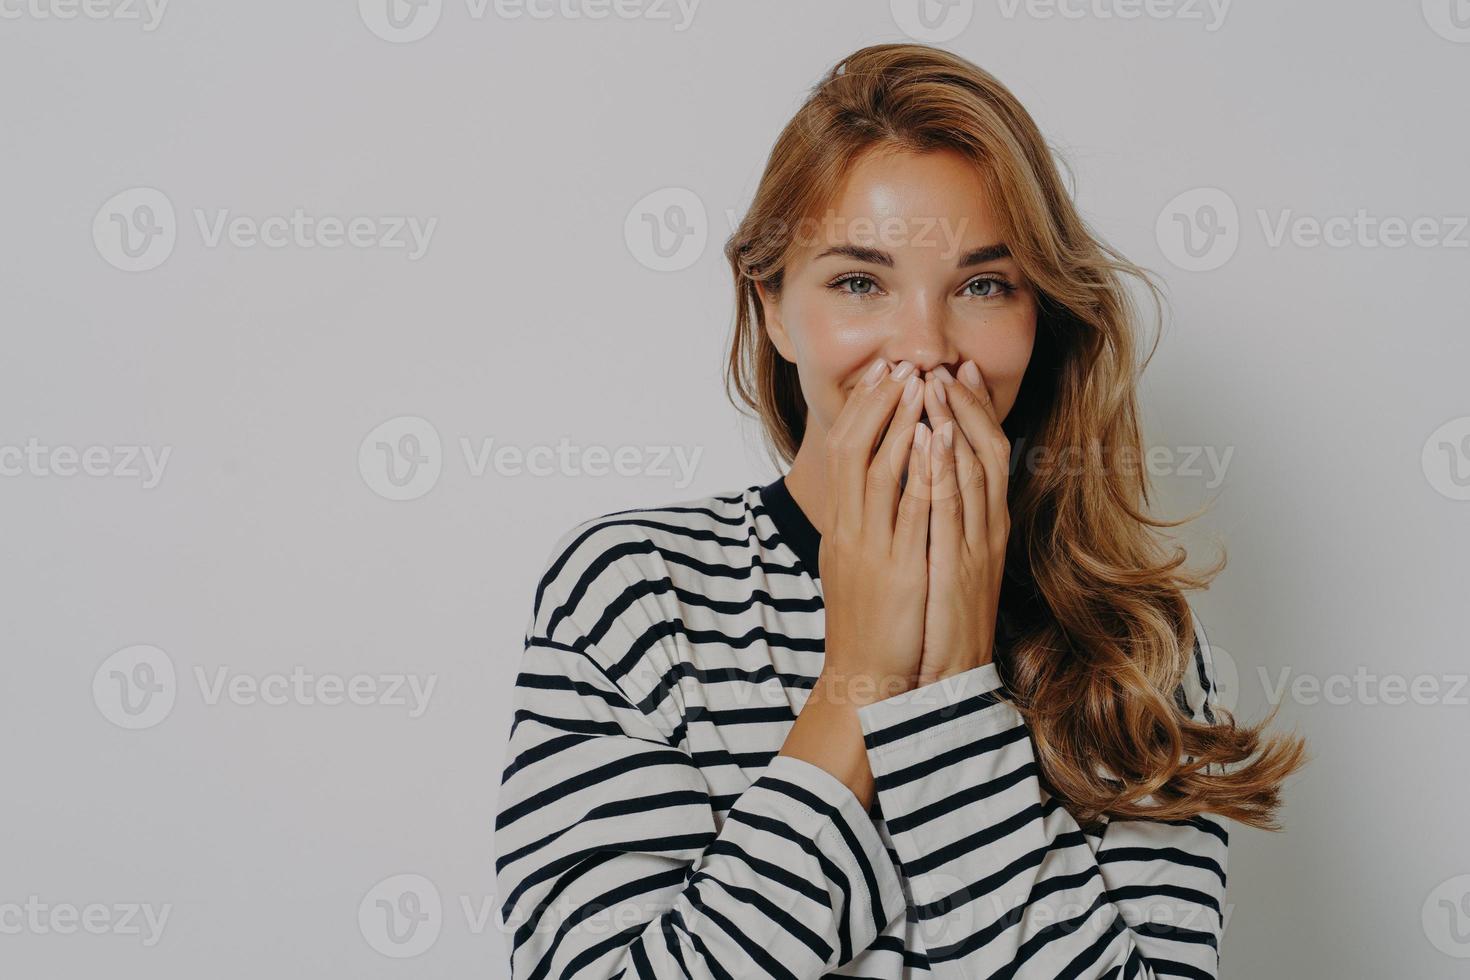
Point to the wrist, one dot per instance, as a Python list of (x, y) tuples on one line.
[(859, 689)]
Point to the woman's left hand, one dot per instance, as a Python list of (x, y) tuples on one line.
[(969, 524)]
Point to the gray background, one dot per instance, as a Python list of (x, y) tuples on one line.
[(1333, 377)]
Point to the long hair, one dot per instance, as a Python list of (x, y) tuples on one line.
[(1100, 631)]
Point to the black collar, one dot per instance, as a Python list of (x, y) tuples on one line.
[(795, 528)]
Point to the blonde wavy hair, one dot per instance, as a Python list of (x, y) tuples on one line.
[(1101, 633)]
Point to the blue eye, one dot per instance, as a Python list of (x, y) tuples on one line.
[(854, 277), (1000, 287)]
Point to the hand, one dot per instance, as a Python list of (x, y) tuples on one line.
[(874, 567), (969, 524)]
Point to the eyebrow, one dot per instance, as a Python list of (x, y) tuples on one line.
[(985, 253)]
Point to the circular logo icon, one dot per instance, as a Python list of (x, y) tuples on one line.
[(666, 231), (400, 21), (1199, 230), (1446, 459), (135, 687), (135, 230), (1450, 19), (932, 20), (401, 915), (1446, 917), (401, 459)]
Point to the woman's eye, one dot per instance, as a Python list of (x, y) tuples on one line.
[(991, 288), (861, 285)]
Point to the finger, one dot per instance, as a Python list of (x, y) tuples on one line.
[(851, 441), (911, 527), (946, 510), (881, 509), (970, 400), (937, 407), (970, 475)]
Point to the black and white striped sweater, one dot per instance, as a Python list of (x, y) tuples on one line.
[(647, 827)]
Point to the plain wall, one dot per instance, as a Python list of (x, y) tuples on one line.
[(1315, 392)]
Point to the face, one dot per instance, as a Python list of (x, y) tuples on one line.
[(907, 264)]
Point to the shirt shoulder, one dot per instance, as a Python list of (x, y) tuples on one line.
[(608, 586)]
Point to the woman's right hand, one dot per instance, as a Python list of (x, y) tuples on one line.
[(874, 560)]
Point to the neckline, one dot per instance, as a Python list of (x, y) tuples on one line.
[(797, 530), (795, 527)]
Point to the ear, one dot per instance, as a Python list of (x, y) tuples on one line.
[(775, 325)]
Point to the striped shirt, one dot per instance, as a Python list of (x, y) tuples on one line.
[(646, 825)]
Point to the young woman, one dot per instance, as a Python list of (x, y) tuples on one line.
[(933, 701)]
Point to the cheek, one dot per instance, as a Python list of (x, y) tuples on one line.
[(1002, 354), (833, 349)]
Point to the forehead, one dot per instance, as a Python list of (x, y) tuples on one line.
[(908, 191)]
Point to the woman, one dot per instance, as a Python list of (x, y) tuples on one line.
[(911, 708)]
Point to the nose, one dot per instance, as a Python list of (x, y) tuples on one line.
[(920, 335)]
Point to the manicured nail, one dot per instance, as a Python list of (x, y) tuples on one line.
[(939, 392), (911, 390), (921, 436), (875, 372), (970, 374), (942, 373), (902, 370), (947, 434)]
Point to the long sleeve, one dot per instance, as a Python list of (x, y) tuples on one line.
[(1005, 882), (609, 859)]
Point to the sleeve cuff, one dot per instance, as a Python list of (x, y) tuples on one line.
[(969, 699)]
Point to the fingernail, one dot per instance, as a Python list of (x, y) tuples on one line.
[(942, 373), (911, 389), (921, 436), (902, 370), (875, 372), (947, 434), (939, 392), (970, 374)]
